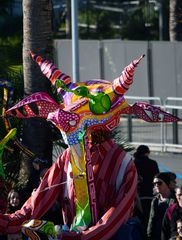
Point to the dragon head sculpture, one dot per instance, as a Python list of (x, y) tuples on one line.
[(89, 106), (96, 104)]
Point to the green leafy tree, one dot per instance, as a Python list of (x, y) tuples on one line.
[(4, 6)]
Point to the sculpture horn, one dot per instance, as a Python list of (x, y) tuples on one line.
[(49, 70), (123, 82)]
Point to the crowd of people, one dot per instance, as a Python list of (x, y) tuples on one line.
[(11, 203), (160, 197), (158, 207)]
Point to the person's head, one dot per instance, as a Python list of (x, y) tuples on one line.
[(161, 182), (14, 198), (178, 192), (141, 151), (179, 227), (172, 184), (99, 136)]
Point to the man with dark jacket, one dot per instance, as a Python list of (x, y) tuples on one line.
[(146, 169), (166, 223), (176, 213), (161, 201)]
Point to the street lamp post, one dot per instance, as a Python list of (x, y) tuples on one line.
[(75, 40)]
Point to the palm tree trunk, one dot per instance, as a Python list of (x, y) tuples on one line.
[(37, 37), (175, 20)]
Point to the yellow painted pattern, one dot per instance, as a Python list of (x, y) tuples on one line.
[(78, 162)]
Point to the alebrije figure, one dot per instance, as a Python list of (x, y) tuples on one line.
[(96, 184)]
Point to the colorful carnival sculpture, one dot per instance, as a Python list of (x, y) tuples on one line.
[(4, 185), (8, 91), (3, 143), (92, 106)]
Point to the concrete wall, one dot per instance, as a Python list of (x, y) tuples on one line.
[(159, 74)]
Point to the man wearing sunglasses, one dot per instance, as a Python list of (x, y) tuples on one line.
[(160, 203)]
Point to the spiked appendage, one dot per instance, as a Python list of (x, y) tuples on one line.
[(123, 82), (49, 70)]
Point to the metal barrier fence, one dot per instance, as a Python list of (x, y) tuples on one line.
[(163, 137), (173, 104)]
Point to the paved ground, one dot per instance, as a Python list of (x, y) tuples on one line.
[(169, 162), (152, 134)]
